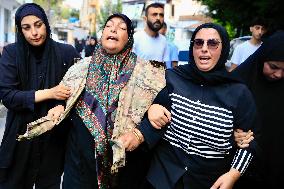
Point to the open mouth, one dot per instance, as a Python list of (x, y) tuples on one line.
[(112, 38), (204, 59)]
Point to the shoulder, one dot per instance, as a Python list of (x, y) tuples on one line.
[(65, 47), (67, 50), (244, 45), (139, 34), (9, 50), (162, 38), (239, 90)]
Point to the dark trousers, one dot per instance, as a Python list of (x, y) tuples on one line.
[(36, 163), (80, 162)]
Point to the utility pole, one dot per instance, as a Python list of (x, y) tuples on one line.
[(95, 7), (48, 10)]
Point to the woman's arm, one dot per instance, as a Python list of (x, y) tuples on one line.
[(145, 131), (11, 96), (245, 118), (19, 100), (59, 92)]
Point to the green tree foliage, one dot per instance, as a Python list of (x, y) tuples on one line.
[(51, 7), (239, 13), (58, 11), (75, 13), (108, 9), (65, 12), (54, 4)]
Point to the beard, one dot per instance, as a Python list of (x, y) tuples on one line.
[(156, 26)]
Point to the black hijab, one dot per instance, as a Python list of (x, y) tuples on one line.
[(17, 120), (269, 98), (272, 49), (47, 53), (218, 74)]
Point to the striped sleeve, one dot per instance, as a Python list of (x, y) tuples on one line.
[(242, 160)]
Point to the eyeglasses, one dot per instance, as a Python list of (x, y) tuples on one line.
[(211, 43)]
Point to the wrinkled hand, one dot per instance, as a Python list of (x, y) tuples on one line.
[(54, 113), (243, 138), (130, 141), (158, 116), (60, 92), (227, 180)]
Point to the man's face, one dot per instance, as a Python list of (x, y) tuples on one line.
[(155, 18), (257, 31)]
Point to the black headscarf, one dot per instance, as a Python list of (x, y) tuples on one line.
[(31, 9), (218, 74), (251, 70), (50, 56), (46, 52), (269, 98)]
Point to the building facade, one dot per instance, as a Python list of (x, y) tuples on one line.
[(7, 12)]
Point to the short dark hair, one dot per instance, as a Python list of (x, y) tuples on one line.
[(258, 21), (154, 5)]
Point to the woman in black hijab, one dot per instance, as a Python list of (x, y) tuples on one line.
[(31, 69), (89, 50), (263, 72), (197, 149)]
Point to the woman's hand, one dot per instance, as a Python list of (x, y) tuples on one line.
[(227, 180), (60, 92), (243, 138), (158, 116), (54, 113), (132, 139)]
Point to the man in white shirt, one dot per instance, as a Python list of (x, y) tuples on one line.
[(244, 50), (149, 44)]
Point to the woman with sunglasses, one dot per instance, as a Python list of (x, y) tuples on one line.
[(204, 104)]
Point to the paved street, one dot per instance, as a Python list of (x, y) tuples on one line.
[(3, 112)]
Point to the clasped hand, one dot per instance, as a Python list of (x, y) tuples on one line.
[(131, 139)]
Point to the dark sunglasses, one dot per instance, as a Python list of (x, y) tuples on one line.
[(211, 43)]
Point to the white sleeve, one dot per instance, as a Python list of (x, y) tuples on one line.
[(134, 48), (236, 57)]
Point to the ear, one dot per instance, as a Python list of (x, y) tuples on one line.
[(145, 18), (251, 28)]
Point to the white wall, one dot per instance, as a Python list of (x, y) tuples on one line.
[(9, 5)]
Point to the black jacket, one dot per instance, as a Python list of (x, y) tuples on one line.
[(170, 162), (20, 102)]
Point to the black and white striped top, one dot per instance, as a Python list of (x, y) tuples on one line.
[(204, 130)]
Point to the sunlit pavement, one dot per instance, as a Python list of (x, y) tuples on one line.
[(3, 112)]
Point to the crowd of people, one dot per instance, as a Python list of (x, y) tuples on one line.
[(139, 120)]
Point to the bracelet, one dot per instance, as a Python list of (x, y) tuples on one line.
[(137, 136)]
